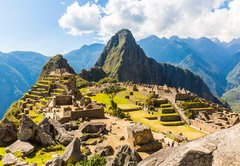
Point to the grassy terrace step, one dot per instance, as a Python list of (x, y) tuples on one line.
[(169, 117), (59, 90), (45, 82), (39, 105), (29, 106), (55, 93), (31, 101), (166, 105), (35, 97), (174, 123), (167, 110), (43, 101), (42, 85)]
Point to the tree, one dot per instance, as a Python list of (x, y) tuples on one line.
[(112, 91)]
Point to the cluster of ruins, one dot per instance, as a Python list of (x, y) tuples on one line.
[(57, 96)]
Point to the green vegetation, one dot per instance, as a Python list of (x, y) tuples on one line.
[(114, 110), (232, 97), (93, 161), (107, 80)]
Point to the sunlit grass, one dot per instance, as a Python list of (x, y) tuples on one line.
[(155, 125)]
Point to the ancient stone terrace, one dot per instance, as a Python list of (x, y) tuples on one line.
[(43, 90)]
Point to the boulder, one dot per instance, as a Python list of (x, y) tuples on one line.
[(9, 159), (24, 147), (104, 150), (220, 148), (57, 161), (29, 131), (139, 135), (92, 127), (57, 131), (125, 156), (72, 153), (8, 132)]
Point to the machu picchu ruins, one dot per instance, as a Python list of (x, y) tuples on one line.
[(127, 109)]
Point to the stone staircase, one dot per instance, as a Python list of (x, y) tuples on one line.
[(168, 115)]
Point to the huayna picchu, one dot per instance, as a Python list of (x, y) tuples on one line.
[(118, 113)]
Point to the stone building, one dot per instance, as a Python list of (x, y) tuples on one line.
[(65, 108)]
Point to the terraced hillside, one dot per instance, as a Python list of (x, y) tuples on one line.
[(35, 100)]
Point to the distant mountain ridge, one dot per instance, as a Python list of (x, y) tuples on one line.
[(85, 57), (210, 59), (124, 60), (18, 71)]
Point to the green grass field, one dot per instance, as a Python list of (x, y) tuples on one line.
[(154, 124)]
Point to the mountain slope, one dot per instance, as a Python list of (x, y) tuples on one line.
[(191, 54), (56, 62), (85, 57), (232, 97), (123, 59), (18, 71)]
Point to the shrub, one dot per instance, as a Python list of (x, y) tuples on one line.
[(93, 161)]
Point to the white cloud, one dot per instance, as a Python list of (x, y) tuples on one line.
[(81, 19), (185, 18)]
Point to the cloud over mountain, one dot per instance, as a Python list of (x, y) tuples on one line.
[(185, 18)]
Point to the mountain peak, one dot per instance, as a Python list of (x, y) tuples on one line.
[(124, 60), (56, 62), (116, 49)]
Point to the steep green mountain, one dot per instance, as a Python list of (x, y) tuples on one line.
[(233, 98), (123, 59), (85, 57), (56, 62), (94, 74), (18, 72)]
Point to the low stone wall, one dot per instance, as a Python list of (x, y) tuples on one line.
[(91, 113), (169, 118), (206, 127)]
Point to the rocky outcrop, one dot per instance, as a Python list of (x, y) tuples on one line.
[(57, 161), (94, 74), (124, 60), (139, 135), (57, 131), (20, 146), (141, 138), (90, 127), (72, 153), (29, 131), (219, 148), (8, 132), (9, 159), (104, 150), (125, 156)]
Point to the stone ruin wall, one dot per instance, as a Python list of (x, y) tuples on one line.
[(204, 126), (90, 113)]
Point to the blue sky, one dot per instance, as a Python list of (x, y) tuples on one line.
[(33, 25), (59, 26)]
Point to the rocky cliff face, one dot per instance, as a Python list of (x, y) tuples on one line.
[(93, 74), (123, 59), (56, 62), (220, 148)]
